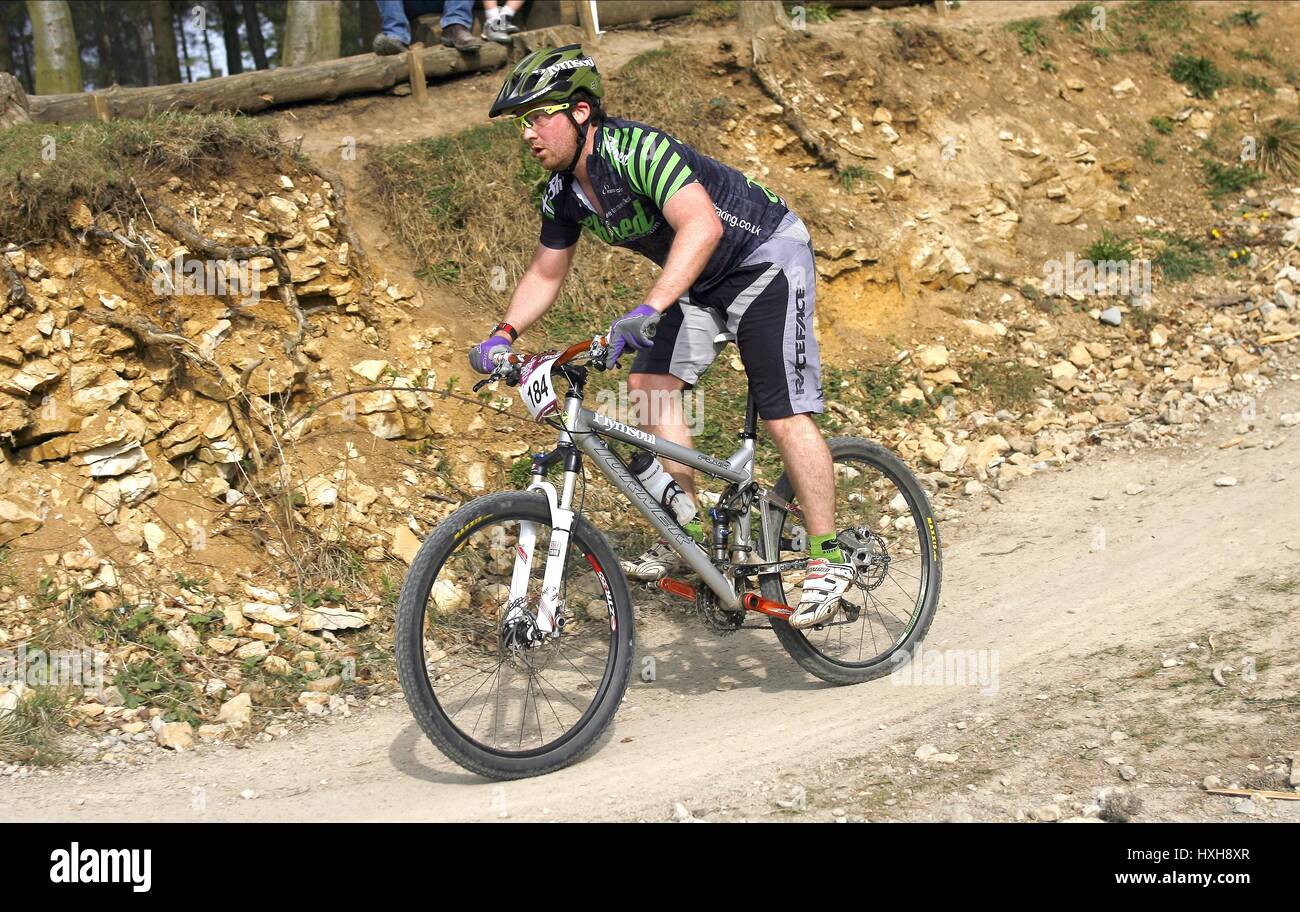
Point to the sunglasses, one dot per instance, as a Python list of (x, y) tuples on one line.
[(525, 120)]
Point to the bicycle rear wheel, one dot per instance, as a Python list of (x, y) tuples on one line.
[(496, 707), (888, 610)]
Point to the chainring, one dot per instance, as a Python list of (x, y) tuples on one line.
[(716, 618)]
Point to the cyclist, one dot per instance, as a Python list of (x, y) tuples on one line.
[(734, 258)]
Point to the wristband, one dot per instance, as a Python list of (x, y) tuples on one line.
[(514, 334)]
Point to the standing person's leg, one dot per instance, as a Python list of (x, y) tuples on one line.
[(394, 28), (499, 20), (457, 21), (457, 12)]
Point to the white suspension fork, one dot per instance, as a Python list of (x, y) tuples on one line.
[(553, 576)]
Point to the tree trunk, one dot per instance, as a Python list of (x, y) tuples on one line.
[(6, 51), (369, 24), (256, 91), (107, 74), (58, 68), (230, 34), (179, 19), (13, 102), (109, 38), (144, 35), (311, 32), (139, 43), (207, 47), (760, 20), (253, 25), (756, 15), (164, 41)]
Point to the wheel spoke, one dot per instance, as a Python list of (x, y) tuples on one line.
[(465, 620), (869, 498)]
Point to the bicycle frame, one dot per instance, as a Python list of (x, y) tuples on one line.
[(583, 430)]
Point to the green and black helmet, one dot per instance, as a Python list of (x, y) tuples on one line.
[(548, 76)]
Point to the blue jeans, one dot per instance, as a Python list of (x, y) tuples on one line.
[(395, 15)]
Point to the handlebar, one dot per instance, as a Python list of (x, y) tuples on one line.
[(507, 364)]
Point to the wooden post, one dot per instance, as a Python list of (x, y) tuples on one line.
[(568, 12), (101, 107), (415, 73), (588, 23), (13, 102)]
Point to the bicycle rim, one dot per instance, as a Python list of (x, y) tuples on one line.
[(508, 702), (883, 607)]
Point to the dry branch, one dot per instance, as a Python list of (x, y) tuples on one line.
[(182, 348), (178, 226), (825, 154)]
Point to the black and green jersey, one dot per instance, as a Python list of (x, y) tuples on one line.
[(635, 169)]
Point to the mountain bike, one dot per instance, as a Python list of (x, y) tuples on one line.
[(514, 631)]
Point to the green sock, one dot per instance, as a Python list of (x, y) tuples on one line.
[(696, 530), (825, 546)]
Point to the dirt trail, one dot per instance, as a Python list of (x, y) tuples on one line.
[(1025, 578)]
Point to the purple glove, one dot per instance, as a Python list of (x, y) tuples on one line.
[(480, 356), (635, 329)]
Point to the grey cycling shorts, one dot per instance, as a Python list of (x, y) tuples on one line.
[(767, 303)]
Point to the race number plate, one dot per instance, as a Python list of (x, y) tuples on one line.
[(537, 387)]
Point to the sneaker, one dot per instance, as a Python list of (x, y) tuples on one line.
[(461, 38), (387, 45), (499, 31), (654, 564), (822, 589)]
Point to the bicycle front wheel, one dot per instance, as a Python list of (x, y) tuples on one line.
[(510, 688), (880, 509)]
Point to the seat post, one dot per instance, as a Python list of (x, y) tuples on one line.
[(751, 418)]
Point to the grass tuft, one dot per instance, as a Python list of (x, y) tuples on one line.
[(1162, 125), (1247, 18), (1029, 34), (44, 168), (1278, 150), (1225, 179), (1109, 248), (1077, 17), (712, 12), (1013, 386), (1197, 73), (1182, 257), (31, 732)]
